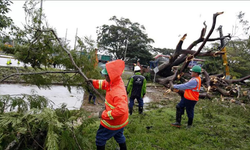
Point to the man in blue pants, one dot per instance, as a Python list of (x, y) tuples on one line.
[(190, 97), (91, 95)]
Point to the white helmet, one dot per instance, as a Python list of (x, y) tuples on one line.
[(137, 68)]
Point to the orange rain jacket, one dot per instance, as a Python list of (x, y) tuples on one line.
[(115, 116)]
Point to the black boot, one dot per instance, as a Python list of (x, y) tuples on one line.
[(101, 147), (190, 122), (140, 110), (130, 110), (123, 146), (178, 117)]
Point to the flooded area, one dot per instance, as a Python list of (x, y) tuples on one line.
[(77, 99), (14, 62), (57, 94), (146, 99)]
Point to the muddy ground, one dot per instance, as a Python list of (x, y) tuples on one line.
[(154, 94)]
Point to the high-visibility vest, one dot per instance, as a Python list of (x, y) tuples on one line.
[(193, 94)]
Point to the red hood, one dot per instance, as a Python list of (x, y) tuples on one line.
[(115, 69)]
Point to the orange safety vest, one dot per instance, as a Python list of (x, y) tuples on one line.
[(115, 115), (193, 94)]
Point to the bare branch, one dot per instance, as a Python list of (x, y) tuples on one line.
[(73, 62), (209, 34), (209, 53), (237, 80), (207, 78), (189, 58), (220, 38), (34, 73), (169, 79)]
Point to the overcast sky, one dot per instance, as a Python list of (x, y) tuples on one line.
[(165, 21)]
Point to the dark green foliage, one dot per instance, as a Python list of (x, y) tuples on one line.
[(41, 127), (23, 102), (239, 57), (164, 51), (4, 9)]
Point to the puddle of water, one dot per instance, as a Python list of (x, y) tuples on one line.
[(146, 99), (3, 62), (57, 94), (150, 91)]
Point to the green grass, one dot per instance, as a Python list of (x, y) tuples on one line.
[(216, 125)]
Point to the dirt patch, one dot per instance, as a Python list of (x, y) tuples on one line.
[(157, 94), (90, 107)]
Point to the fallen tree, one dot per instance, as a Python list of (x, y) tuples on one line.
[(176, 69)]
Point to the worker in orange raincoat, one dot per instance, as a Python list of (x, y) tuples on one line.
[(115, 116)]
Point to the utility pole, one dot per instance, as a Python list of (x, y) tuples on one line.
[(41, 12), (75, 38), (125, 53), (66, 35)]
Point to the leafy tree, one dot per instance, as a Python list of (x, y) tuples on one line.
[(239, 57), (239, 49), (164, 51), (4, 9), (244, 23), (30, 122), (125, 40)]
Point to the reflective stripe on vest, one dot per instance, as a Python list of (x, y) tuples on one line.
[(197, 87), (100, 84), (193, 94), (109, 115), (113, 126), (106, 102)]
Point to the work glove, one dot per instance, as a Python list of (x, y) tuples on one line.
[(175, 90), (100, 112)]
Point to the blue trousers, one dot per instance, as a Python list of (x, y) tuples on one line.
[(131, 101), (90, 97), (189, 105), (153, 64), (104, 134)]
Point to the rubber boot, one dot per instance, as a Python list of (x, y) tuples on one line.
[(130, 110), (190, 122), (101, 147), (123, 146), (140, 110), (178, 119)]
